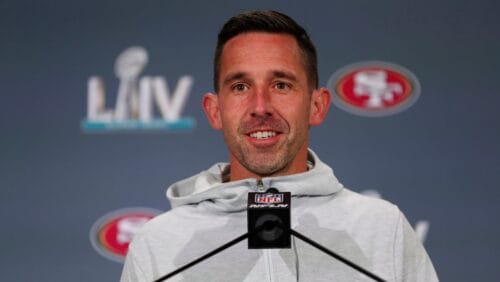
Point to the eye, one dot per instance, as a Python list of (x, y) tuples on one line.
[(280, 85), (239, 87)]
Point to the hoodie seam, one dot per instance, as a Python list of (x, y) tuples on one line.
[(394, 246)]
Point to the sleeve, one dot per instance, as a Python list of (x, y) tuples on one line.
[(412, 264)]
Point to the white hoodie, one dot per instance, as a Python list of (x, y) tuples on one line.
[(206, 213)]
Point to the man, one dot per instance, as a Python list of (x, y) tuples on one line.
[(267, 97)]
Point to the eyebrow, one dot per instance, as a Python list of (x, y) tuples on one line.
[(234, 76), (284, 74), (275, 74)]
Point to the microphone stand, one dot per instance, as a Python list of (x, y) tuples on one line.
[(338, 257), (204, 257), (269, 225)]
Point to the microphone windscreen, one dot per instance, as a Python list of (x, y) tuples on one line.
[(268, 217)]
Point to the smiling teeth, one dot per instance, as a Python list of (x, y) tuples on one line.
[(263, 134)]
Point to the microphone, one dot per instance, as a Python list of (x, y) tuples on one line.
[(269, 219)]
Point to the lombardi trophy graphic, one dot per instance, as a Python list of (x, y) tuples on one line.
[(136, 98), (129, 64)]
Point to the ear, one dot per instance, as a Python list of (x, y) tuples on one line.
[(320, 103), (210, 104)]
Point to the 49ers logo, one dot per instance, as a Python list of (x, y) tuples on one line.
[(374, 88), (112, 233)]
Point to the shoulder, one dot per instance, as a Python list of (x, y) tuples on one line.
[(358, 215), (158, 242), (365, 203), (349, 204), (166, 224)]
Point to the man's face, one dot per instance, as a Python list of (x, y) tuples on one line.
[(264, 105)]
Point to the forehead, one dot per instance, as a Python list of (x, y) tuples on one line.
[(252, 38), (261, 49)]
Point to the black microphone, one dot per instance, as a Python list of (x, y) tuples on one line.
[(269, 220)]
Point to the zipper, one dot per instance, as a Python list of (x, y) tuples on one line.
[(269, 265), (267, 253), (260, 186)]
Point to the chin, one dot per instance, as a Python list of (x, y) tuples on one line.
[(265, 168)]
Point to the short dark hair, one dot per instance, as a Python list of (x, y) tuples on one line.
[(272, 22)]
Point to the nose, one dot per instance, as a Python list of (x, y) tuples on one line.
[(261, 105)]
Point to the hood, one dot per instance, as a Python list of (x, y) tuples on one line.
[(208, 189)]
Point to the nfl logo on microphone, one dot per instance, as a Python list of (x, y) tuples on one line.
[(268, 198)]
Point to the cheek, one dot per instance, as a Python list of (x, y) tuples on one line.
[(230, 118), (297, 119)]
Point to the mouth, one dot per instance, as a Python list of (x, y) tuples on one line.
[(265, 134), (263, 138)]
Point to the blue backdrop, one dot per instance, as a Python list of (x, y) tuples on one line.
[(438, 160)]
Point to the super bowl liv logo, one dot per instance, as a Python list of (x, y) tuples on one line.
[(134, 103)]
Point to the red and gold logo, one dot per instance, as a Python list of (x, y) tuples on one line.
[(374, 88), (111, 234)]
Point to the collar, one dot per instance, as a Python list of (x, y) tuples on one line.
[(207, 188)]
